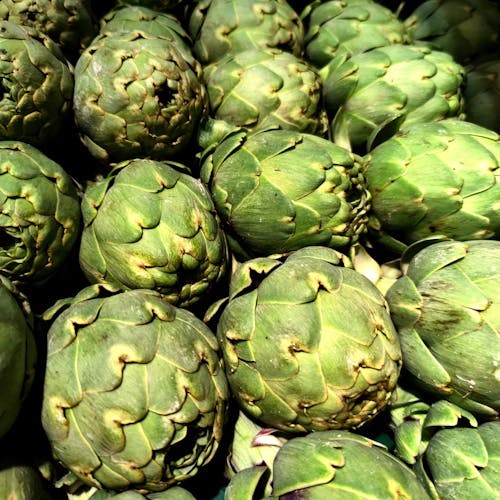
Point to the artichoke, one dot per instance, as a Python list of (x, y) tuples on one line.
[(446, 308), (264, 88), (39, 213), (463, 28), (36, 87), (435, 179), (279, 190), (321, 354), (482, 93), (20, 481), (373, 94), (149, 225), (336, 464), (144, 396), (337, 27), (69, 23), (136, 17), (18, 354), (219, 27), (137, 95)]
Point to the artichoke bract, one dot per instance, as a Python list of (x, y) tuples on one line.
[(39, 213), (280, 190), (144, 396), (137, 95), (337, 464), (149, 225), (446, 308), (36, 86), (308, 344), (69, 23), (338, 27), (18, 353), (435, 179), (219, 27), (263, 88), (373, 93), (463, 28)]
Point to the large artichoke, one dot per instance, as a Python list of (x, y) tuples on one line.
[(262, 88), (39, 213), (463, 28), (18, 353), (137, 95), (36, 86), (279, 190), (338, 27), (148, 225), (308, 344), (446, 308), (219, 27), (332, 464), (435, 178), (374, 93), (144, 397)]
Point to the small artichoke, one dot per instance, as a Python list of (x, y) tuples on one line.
[(18, 354), (39, 213), (144, 397), (264, 88), (36, 87), (335, 464), (279, 190), (137, 95), (308, 344), (337, 27), (463, 28), (149, 225), (435, 179), (446, 308), (372, 94), (219, 27)]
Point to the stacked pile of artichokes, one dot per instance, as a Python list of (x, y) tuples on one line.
[(249, 249)]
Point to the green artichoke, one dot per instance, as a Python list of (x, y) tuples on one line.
[(135, 17), (69, 23), (18, 354), (320, 354), (36, 87), (149, 225), (446, 308), (337, 27), (39, 216), (336, 464), (219, 27), (463, 28), (372, 94), (482, 93), (144, 397), (264, 88), (21, 481), (435, 179), (137, 95), (279, 190)]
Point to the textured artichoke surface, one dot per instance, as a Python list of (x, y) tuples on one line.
[(321, 354), (279, 190), (149, 225), (144, 398)]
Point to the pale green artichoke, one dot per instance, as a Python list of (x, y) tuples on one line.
[(149, 225), (308, 343), (144, 398), (446, 308)]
